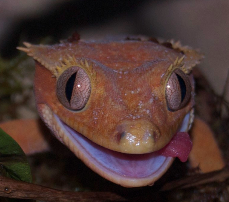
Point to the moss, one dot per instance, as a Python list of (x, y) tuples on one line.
[(16, 77)]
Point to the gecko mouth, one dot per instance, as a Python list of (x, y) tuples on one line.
[(129, 170)]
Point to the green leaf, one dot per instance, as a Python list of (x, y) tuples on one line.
[(13, 161)]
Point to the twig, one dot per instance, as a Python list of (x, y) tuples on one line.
[(21, 190), (200, 179)]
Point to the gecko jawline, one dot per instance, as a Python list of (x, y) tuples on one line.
[(129, 170)]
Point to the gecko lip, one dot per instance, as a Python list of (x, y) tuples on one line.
[(130, 170)]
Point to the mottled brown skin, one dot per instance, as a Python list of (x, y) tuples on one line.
[(137, 65)]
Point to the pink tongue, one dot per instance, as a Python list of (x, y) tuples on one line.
[(180, 146)]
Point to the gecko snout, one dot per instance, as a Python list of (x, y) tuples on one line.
[(137, 137)]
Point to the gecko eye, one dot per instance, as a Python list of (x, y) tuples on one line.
[(73, 88), (178, 90)]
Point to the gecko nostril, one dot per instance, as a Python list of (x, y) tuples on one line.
[(151, 136), (120, 135), (137, 136)]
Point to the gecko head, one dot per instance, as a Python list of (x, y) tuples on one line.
[(121, 107)]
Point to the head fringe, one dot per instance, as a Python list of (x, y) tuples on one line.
[(71, 61)]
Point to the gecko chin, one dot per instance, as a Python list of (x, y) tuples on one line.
[(128, 170)]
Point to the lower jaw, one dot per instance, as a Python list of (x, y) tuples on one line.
[(128, 170)]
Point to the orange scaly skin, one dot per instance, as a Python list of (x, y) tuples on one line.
[(127, 109)]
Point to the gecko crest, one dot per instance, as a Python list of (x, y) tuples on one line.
[(177, 64), (71, 61)]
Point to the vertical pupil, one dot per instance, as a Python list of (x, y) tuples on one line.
[(182, 87), (69, 86)]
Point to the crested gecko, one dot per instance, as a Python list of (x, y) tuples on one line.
[(123, 106)]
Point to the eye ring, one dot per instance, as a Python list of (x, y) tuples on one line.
[(73, 88), (178, 90)]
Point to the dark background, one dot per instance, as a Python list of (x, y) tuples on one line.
[(200, 24)]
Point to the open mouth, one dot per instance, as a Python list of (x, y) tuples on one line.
[(130, 170)]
